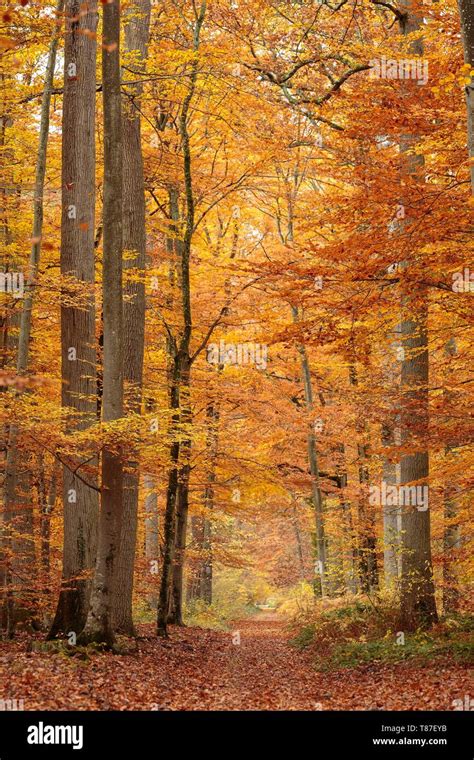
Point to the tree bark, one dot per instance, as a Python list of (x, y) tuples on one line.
[(78, 342), (99, 625), (417, 598), (134, 244)]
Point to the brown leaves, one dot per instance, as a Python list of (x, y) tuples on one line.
[(204, 670)]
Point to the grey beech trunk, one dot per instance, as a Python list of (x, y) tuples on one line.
[(78, 341), (417, 597), (99, 624), (134, 244)]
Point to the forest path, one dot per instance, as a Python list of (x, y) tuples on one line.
[(200, 669)]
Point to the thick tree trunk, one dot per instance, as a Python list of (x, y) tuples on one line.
[(417, 588), (134, 244), (417, 598), (99, 624), (78, 342)]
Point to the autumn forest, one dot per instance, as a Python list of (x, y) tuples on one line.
[(236, 311)]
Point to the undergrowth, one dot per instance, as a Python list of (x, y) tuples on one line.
[(363, 632)]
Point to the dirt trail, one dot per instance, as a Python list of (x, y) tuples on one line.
[(199, 669)]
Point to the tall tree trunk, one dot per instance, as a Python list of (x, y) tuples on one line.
[(78, 341), (99, 624), (134, 242), (17, 528), (417, 597)]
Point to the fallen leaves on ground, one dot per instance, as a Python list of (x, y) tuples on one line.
[(198, 669)]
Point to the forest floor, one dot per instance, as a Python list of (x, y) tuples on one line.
[(200, 669)]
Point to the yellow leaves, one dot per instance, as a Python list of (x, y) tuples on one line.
[(467, 73)]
